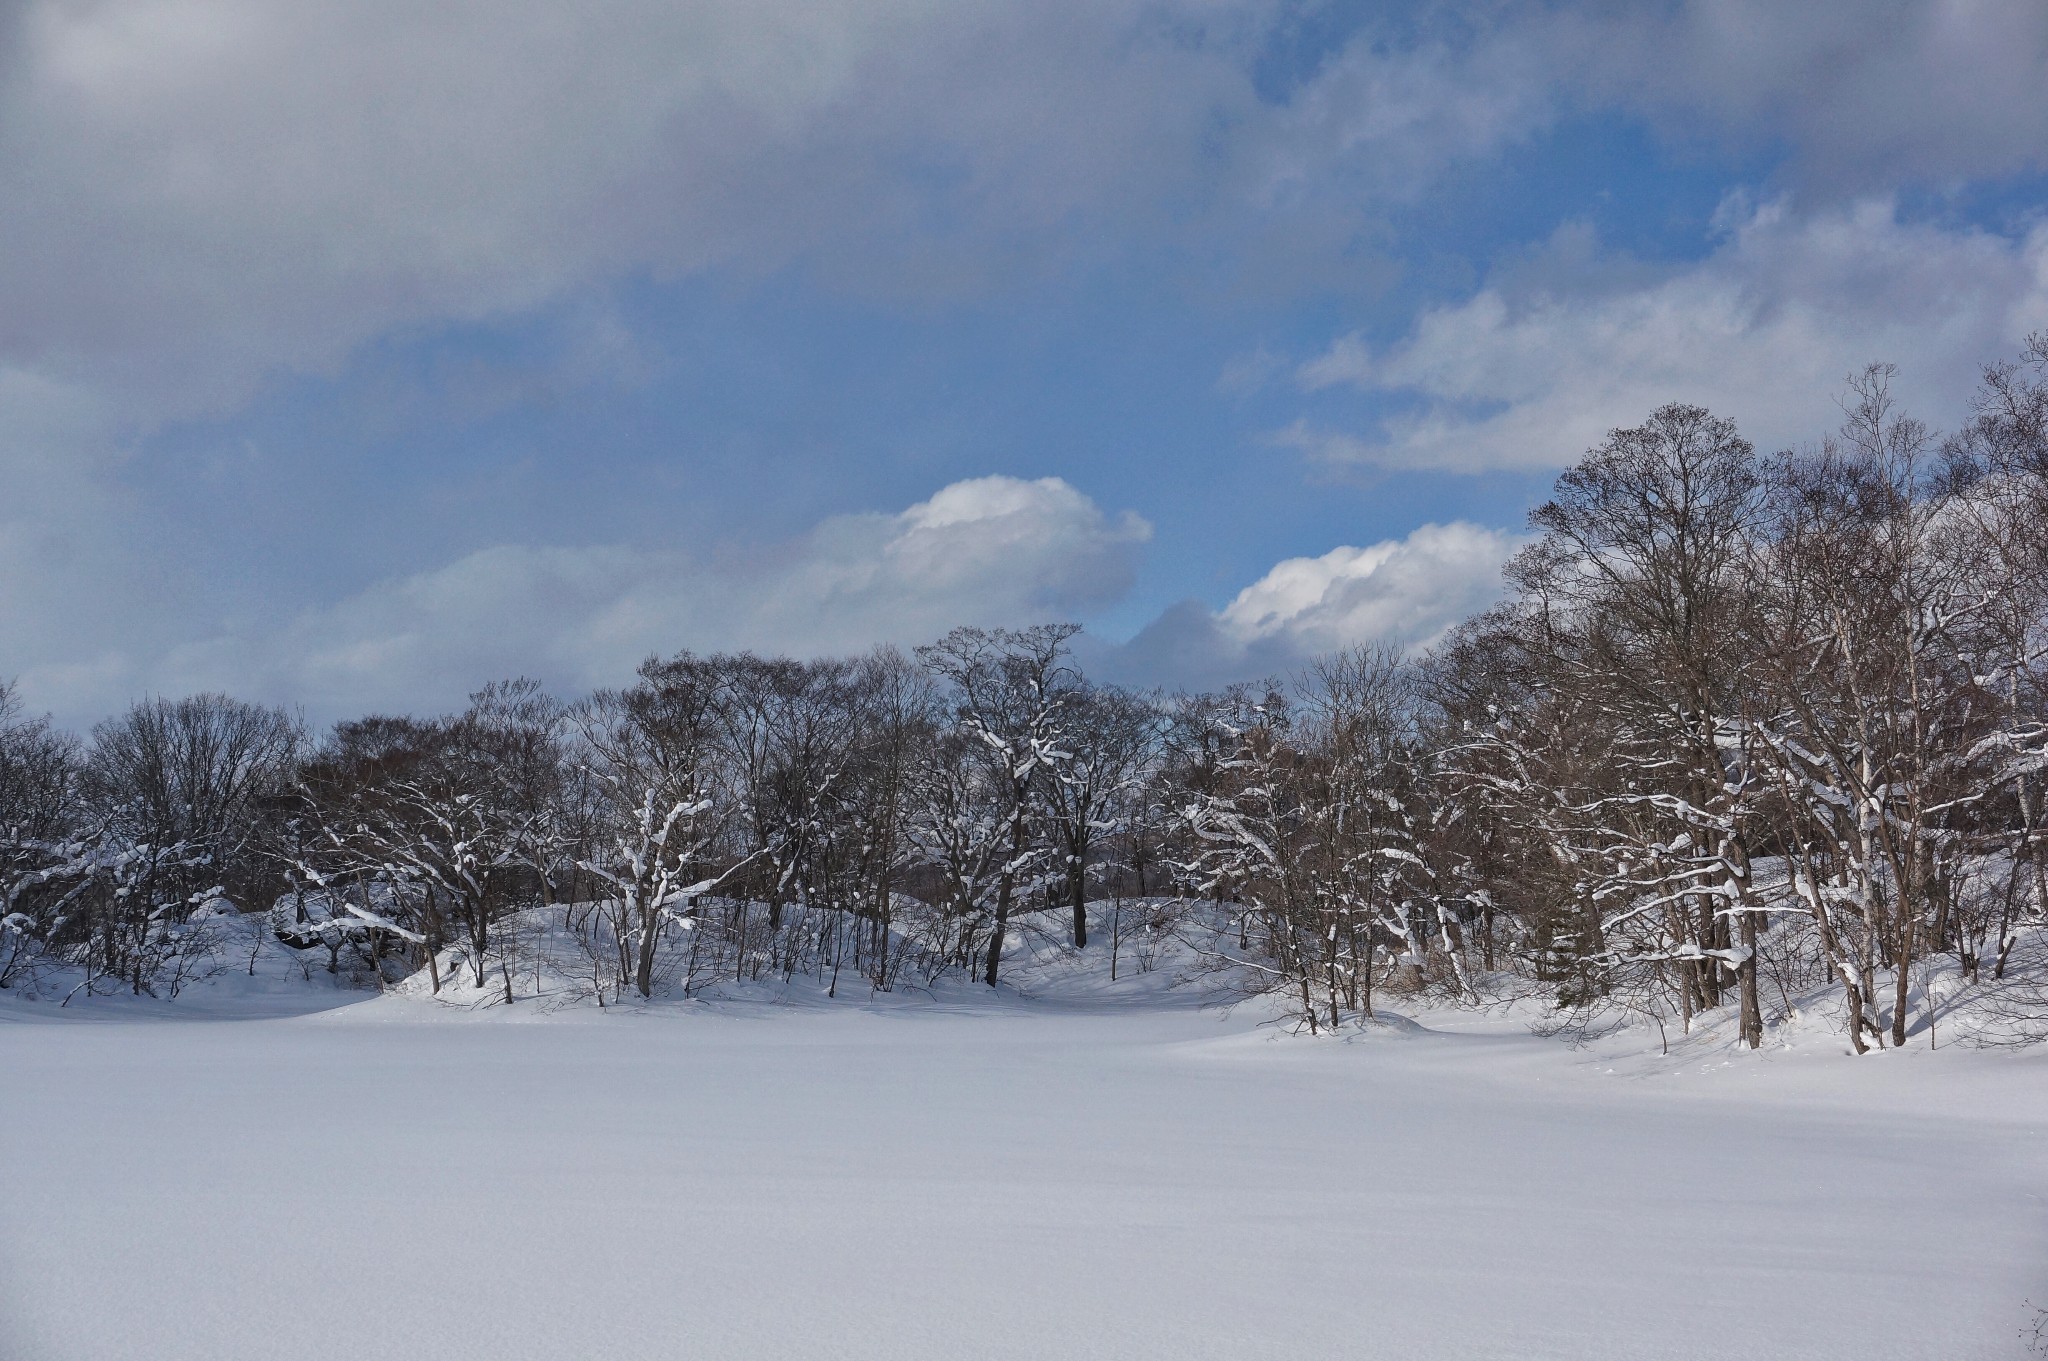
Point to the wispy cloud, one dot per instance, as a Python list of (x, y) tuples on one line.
[(1764, 329), (993, 550)]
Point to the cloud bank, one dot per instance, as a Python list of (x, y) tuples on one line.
[(194, 193), (202, 197), (993, 550), (1766, 328)]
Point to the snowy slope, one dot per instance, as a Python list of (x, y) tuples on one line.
[(1072, 1169)]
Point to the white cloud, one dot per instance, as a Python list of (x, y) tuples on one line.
[(990, 551), (1391, 118), (195, 192), (1764, 330), (198, 194), (1405, 592), (81, 564), (1931, 92), (1940, 91), (993, 550)]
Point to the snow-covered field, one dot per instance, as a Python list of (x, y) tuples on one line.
[(1091, 1171)]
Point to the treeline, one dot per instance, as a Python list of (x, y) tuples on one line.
[(1747, 725)]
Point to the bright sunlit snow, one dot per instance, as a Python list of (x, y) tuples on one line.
[(1089, 1170)]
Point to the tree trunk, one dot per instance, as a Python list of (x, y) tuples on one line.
[(1745, 975), (1904, 966), (643, 971), (995, 940), (1003, 889), (1077, 887)]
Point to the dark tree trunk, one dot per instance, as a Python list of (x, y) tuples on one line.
[(1077, 887), (1004, 886), (1745, 974), (1902, 980), (995, 940), (643, 971)]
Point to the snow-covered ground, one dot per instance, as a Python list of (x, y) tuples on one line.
[(1092, 1170)]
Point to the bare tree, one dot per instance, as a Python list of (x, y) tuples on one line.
[(1874, 715), (1012, 692), (41, 859), (454, 820), (1109, 739), (179, 797), (202, 772), (650, 750)]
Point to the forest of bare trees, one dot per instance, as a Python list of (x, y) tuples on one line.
[(1747, 727)]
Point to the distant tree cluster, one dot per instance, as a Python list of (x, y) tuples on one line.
[(1746, 726)]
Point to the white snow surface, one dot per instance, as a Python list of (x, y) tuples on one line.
[(1068, 1168)]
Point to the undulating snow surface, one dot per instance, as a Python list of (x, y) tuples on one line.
[(1091, 1171)]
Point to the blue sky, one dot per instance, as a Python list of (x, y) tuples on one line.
[(354, 354)]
